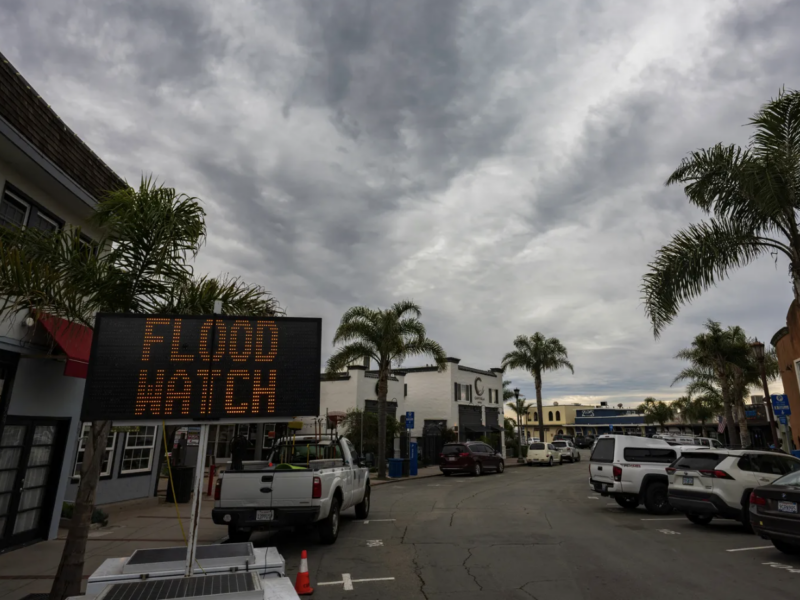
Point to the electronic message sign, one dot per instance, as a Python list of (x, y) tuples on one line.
[(196, 368)]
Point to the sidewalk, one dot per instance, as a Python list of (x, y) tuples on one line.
[(148, 524)]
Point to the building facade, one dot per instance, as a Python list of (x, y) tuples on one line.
[(49, 179), (463, 399)]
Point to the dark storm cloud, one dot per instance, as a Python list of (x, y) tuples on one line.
[(501, 163)]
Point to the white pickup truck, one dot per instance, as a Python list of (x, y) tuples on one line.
[(306, 480)]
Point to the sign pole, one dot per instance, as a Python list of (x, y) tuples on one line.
[(191, 549)]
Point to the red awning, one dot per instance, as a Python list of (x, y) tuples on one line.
[(74, 339)]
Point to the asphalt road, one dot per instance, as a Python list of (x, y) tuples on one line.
[(532, 533)]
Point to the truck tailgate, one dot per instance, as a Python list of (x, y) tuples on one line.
[(265, 489)]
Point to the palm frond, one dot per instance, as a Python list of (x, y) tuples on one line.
[(696, 259)]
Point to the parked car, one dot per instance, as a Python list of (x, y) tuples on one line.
[(470, 457), (584, 441), (540, 453), (306, 480), (774, 512), (630, 469), (709, 484), (568, 450), (563, 436)]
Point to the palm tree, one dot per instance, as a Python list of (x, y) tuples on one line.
[(520, 408), (717, 358), (537, 354), (656, 411), (750, 195), (140, 266), (685, 407), (388, 337)]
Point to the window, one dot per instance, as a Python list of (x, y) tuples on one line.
[(700, 461), (550, 416), (537, 446), (108, 457), (138, 455), (463, 392), (405, 389), (13, 211), (17, 210), (269, 440), (535, 416), (650, 455), (558, 415), (791, 479), (789, 465), (449, 450), (767, 464), (603, 451)]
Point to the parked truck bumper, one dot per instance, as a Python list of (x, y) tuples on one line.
[(245, 518)]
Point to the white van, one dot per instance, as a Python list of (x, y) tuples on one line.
[(632, 470), (675, 439)]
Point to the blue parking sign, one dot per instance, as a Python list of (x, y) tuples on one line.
[(409, 420), (780, 405)]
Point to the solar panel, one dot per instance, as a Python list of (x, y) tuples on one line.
[(178, 554), (229, 584)]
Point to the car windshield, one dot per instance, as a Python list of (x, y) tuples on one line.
[(560, 444), (603, 451), (792, 479), (537, 446), (454, 449)]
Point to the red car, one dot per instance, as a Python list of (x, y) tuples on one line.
[(470, 457)]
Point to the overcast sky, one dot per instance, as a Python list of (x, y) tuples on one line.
[(502, 164)]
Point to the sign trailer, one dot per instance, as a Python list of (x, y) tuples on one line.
[(196, 369)]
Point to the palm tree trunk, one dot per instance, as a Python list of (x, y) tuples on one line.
[(383, 388), (70, 570), (744, 431), (537, 379)]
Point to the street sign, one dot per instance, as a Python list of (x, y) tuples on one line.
[(196, 368), (409, 420), (780, 405), (783, 420)]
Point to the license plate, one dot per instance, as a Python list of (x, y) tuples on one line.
[(263, 515), (451, 458), (787, 507), (688, 481)]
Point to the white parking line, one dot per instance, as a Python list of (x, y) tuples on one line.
[(347, 582), (669, 532), (378, 521), (753, 548), (593, 497), (374, 543), (666, 519)]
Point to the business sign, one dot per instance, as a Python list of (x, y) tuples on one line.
[(780, 405), (199, 368)]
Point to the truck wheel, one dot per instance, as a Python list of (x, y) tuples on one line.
[(656, 500), (238, 536), (362, 509), (329, 527)]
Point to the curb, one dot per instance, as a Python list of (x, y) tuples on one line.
[(376, 482)]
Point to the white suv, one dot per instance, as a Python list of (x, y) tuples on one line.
[(717, 483), (568, 450), (631, 470)]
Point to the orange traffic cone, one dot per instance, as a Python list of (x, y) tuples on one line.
[(302, 584)]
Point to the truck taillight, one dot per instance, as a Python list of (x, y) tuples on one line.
[(218, 489), (316, 490), (617, 473)]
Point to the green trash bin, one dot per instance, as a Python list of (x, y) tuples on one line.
[(183, 481)]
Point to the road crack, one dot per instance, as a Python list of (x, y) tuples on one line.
[(418, 573), (469, 571)]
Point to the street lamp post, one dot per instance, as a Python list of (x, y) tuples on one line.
[(519, 424), (758, 350)]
